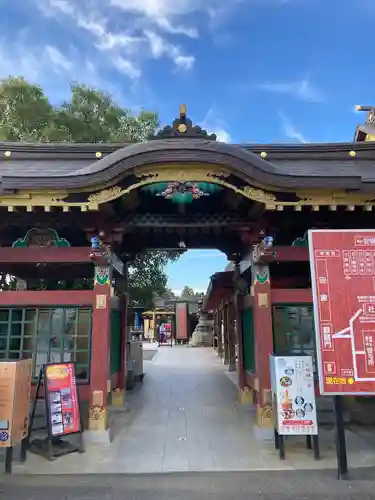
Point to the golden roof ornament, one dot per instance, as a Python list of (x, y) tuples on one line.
[(182, 110), (182, 127), (370, 112)]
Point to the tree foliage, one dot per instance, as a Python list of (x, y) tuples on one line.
[(92, 116), (187, 292), (147, 277), (25, 112)]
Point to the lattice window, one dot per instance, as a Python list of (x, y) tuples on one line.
[(294, 333), (47, 335)]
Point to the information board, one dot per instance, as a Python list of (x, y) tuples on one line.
[(62, 399), (293, 393), (15, 388), (343, 282)]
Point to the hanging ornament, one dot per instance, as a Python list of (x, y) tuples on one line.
[(182, 192)]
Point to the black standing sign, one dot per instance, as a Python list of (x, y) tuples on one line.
[(63, 412)]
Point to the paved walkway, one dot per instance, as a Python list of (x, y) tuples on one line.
[(301, 485), (185, 417)]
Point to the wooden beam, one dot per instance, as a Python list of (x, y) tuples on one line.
[(286, 254), (47, 298), (291, 296), (44, 254)]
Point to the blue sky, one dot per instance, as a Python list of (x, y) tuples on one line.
[(194, 269), (249, 70)]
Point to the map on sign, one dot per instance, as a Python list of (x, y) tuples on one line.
[(343, 281)]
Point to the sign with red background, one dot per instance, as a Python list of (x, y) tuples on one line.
[(343, 282), (182, 321), (62, 399)]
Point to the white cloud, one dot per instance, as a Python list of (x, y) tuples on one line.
[(215, 125), (126, 67), (159, 47), (50, 68), (203, 254), (300, 89), (291, 131), (221, 134), (57, 58), (127, 32), (166, 25), (15, 60)]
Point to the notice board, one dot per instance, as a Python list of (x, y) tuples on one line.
[(293, 393), (15, 388), (62, 404), (343, 282)]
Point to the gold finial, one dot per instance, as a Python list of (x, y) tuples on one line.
[(370, 110), (182, 110), (359, 107)]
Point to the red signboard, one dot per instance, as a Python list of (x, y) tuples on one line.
[(62, 399), (182, 321), (343, 282)]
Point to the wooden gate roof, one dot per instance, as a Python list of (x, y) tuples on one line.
[(82, 166)]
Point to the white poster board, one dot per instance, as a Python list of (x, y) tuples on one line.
[(293, 393)]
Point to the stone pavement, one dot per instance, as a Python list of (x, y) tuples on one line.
[(185, 417), (286, 485)]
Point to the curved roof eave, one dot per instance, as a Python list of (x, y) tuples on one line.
[(241, 160)]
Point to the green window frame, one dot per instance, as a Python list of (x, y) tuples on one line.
[(248, 340), (47, 334), (293, 330)]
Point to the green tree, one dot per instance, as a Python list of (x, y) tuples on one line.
[(187, 292), (90, 115), (147, 277), (25, 112)]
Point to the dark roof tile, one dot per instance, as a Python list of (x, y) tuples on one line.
[(75, 166)]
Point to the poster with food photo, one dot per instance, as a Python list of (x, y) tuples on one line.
[(293, 394)]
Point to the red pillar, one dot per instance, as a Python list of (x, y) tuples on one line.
[(118, 392), (124, 339), (100, 350), (226, 333), (263, 337), (238, 312)]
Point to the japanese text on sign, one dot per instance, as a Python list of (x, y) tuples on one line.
[(62, 401), (343, 279)]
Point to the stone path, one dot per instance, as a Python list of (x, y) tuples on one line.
[(185, 417), (285, 485)]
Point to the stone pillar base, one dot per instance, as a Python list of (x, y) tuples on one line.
[(246, 396), (98, 418), (264, 416), (264, 430), (118, 397), (232, 367)]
